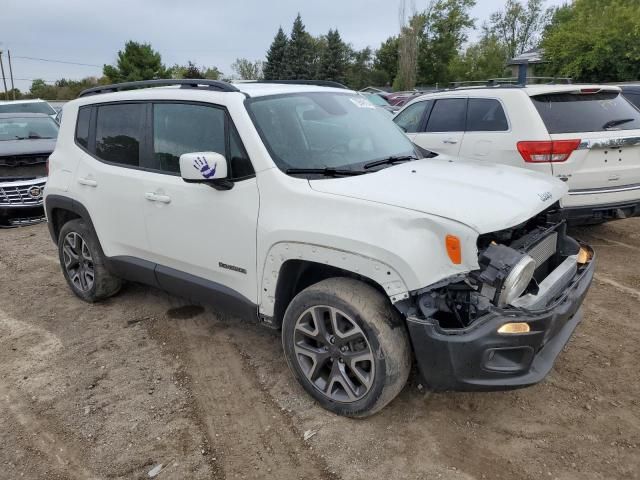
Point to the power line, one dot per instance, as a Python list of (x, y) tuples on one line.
[(58, 61)]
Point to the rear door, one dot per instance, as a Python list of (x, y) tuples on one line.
[(444, 128), (602, 130), (488, 137), (109, 179)]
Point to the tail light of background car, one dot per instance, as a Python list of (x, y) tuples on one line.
[(547, 151)]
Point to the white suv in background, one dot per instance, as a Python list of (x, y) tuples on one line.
[(305, 208), (586, 135)]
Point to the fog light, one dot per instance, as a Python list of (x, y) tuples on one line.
[(519, 327)]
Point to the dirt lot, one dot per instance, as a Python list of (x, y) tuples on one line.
[(112, 390)]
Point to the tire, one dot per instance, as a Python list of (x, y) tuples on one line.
[(347, 346), (83, 263)]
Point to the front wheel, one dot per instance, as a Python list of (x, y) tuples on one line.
[(347, 346)]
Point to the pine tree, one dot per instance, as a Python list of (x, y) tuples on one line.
[(299, 53), (274, 67), (333, 61)]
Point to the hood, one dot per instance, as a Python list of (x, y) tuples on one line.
[(485, 197), (27, 147)]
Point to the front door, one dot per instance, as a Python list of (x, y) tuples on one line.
[(445, 127), (193, 228)]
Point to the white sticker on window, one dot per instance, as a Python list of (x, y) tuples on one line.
[(362, 102)]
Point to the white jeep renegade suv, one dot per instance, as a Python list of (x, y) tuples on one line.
[(306, 208), (586, 135)]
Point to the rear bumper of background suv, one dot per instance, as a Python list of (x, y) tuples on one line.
[(19, 203), (594, 214), (479, 358)]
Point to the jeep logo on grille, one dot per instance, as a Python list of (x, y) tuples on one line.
[(35, 192)]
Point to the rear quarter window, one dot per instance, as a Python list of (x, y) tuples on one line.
[(595, 112)]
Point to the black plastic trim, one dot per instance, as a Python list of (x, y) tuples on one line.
[(53, 202), (183, 284), (183, 82)]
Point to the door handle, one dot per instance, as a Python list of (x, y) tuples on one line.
[(154, 197), (87, 181), (449, 141)]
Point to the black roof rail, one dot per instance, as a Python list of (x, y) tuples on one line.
[(511, 82), (319, 83), (183, 82)]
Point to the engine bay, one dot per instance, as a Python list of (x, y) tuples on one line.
[(515, 264)]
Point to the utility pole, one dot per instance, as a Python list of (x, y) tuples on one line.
[(13, 88), (4, 80)]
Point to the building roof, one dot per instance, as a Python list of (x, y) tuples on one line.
[(531, 56)]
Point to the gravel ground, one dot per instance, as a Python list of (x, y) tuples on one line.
[(114, 389)]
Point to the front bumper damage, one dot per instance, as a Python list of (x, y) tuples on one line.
[(454, 325), (479, 358)]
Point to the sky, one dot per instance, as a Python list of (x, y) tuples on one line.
[(207, 32)]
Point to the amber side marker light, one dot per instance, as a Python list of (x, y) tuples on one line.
[(583, 256), (453, 249), (518, 327)]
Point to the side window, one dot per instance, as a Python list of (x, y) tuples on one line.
[(410, 118), (120, 132), (634, 98), (448, 115), (238, 159), (183, 128), (82, 126), (486, 115)]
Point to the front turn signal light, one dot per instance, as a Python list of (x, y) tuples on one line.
[(518, 327), (453, 249), (583, 256)]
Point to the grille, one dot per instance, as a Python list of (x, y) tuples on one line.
[(23, 160), (21, 194), (543, 250)]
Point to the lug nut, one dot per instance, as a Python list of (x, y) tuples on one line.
[(332, 340)]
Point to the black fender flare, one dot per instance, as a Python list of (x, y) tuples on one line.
[(60, 202)]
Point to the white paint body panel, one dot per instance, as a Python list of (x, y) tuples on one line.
[(389, 226)]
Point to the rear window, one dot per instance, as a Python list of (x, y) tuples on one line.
[(29, 107), (596, 112)]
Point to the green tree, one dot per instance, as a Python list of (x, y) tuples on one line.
[(274, 67), (333, 58), (480, 61), (299, 53), (138, 61), (360, 69), (246, 69), (386, 60), (597, 41), (445, 31), (519, 25)]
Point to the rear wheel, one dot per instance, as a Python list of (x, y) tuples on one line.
[(347, 346), (83, 263)]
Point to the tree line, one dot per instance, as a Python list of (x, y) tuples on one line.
[(588, 40)]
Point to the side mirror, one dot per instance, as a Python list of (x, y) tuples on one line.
[(202, 166)]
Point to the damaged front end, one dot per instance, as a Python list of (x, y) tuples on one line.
[(503, 325)]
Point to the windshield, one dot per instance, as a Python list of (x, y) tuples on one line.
[(326, 130), (27, 128), (377, 100), (588, 112), (28, 107)]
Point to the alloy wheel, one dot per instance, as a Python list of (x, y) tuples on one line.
[(334, 354), (78, 262)]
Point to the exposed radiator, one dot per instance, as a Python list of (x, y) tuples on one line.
[(543, 250)]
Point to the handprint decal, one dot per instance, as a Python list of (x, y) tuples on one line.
[(201, 164)]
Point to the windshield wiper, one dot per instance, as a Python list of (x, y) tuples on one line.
[(389, 161), (615, 123), (327, 172)]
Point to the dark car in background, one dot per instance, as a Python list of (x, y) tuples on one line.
[(26, 141), (632, 93)]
